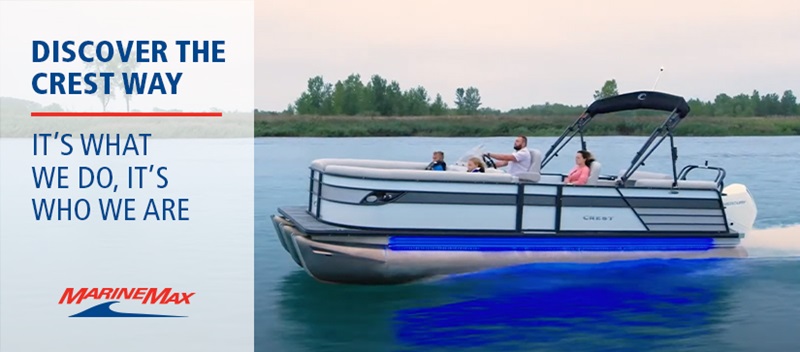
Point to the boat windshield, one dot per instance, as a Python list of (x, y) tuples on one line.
[(476, 151)]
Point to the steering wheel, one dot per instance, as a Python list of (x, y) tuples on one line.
[(489, 162)]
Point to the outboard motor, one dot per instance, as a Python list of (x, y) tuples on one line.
[(740, 208)]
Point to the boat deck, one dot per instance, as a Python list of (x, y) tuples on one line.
[(310, 225)]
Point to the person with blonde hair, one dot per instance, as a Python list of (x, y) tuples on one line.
[(475, 165)]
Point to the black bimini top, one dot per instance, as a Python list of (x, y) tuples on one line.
[(640, 100)]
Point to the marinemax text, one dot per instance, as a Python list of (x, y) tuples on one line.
[(145, 294)]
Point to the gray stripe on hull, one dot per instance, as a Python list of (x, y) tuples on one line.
[(539, 200), (641, 204), (686, 203), (588, 201), (688, 228), (457, 198), (350, 196), (662, 220), (678, 212)]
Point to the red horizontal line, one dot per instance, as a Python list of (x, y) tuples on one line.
[(124, 114)]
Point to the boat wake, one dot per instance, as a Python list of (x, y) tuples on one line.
[(781, 241)]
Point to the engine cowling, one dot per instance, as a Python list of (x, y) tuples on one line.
[(740, 208)]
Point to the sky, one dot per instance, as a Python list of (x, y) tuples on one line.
[(523, 52)]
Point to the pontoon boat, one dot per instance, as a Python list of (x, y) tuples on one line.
[(389, 222)]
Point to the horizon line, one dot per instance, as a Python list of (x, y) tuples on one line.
[(137, 114)]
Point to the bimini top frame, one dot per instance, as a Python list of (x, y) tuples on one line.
[(675, 105)]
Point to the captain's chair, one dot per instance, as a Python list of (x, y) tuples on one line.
[(594, 172), (534, 171)]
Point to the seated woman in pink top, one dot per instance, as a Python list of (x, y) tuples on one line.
[(580, 173)]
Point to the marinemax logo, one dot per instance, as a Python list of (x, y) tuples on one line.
[(113, 295)]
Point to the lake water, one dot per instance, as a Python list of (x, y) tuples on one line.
[(705, 305)]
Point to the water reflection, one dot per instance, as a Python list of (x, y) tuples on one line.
[(641, 305), (317, 316)]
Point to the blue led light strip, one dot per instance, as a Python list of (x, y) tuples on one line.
[(430, 243)]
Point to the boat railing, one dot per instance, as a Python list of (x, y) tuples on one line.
[(411, 174), (323, 164), (415, 171), (680, 184), (719, 179)]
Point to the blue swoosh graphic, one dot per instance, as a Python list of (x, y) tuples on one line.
[(103, 310)]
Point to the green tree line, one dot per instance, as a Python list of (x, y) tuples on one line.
[(380, 97)]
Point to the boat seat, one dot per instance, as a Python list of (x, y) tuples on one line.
[(534, 173), (594, 172), (323, 164), (693, 184), (415, 175), (610, 183)]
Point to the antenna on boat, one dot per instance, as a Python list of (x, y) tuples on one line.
[(658, 77)]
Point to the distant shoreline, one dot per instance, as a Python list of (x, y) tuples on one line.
[(267, 125)]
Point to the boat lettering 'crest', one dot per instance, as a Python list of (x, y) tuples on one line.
[(598, 218)]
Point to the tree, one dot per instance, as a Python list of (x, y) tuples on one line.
[(394, 98), (379, 100), (126, 68), (468, 101), (97, 67), (460, 100), (416, 102), (327, 100), (439, 107), (351, 99), (472, 100), (772, 104), (338, 98), (788, 103), (310, 102), (609, 90), (723, 105), (700, 108), (742, 106), (755, 102)]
